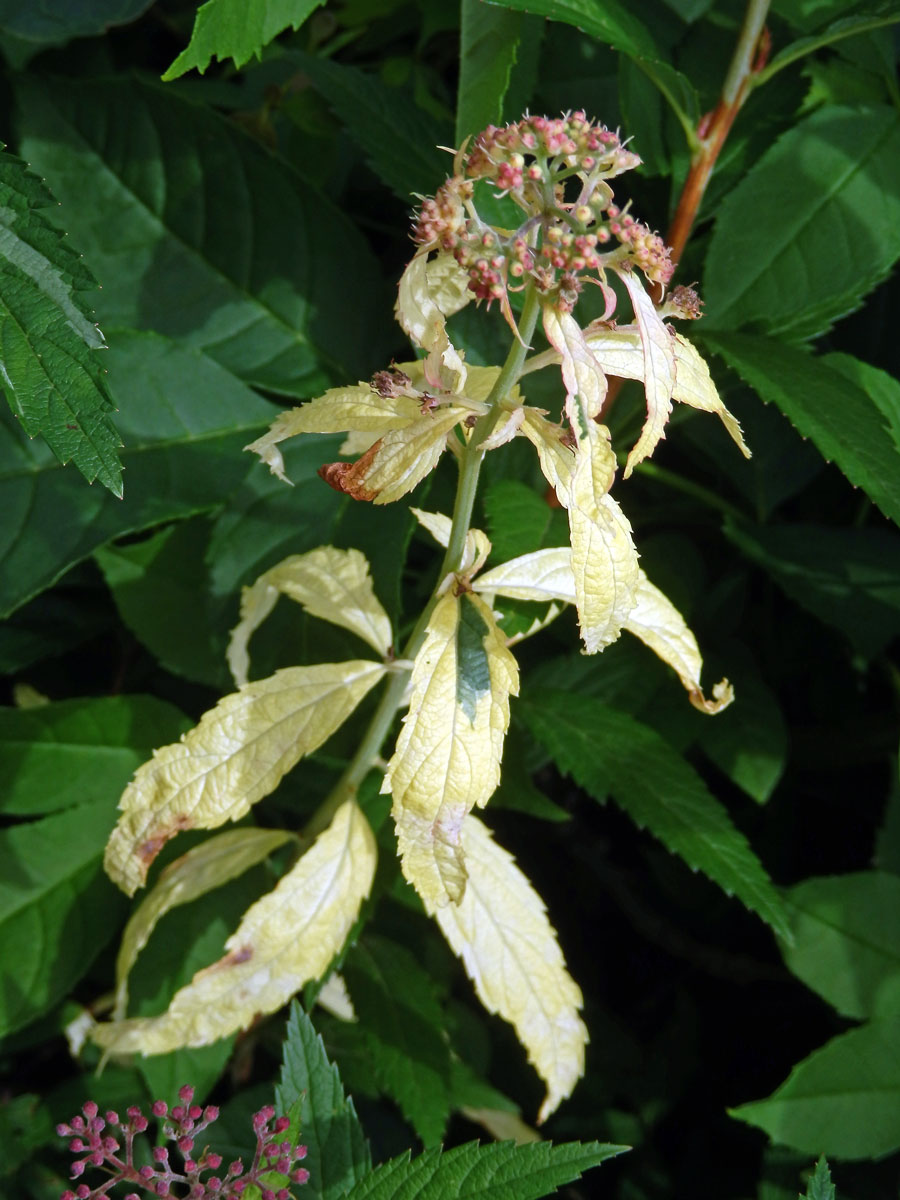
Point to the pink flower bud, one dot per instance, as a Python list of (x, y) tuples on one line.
[(160, 1108)]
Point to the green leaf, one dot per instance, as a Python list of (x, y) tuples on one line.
[(155, 582), (835, 32), (310, 1092), (607, 751), (820, 1186), (520, 521), (185, 420), (882, 389), (59, 22), (676, 89), (812, 227), (846, 425), (489, 45), (398, 138), (502, 1171), (48, 362), (749, 740), (847, 941), (398, 1009), (843, 1100), (848, 578), (237, 29), (610, 22), (57, 908), (182, 218), (78, 751)]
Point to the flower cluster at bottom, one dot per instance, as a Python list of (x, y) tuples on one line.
[(182, 1126)]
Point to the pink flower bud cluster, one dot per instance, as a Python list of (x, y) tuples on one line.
[(95, 1140), (538, 161), (572, 141)]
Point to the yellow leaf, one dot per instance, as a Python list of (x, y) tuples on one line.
[(659, 624), (502, 1125), (331, 584), (448, 283), (207, 866), (447, 759), (284, 940), (235, 756), (604, 560), (478, 545), (350, 408), (659, 369), (428, 292), (401, 459), (509, 948), (556, 457), (542, 575), (694, 386), (581, 372)]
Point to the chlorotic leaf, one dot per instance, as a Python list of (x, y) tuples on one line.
[(694, 387), (399, 460), (447, 759), (339, 409), (207, 866), (555, 456), (237, 29), (331, 584), (50, 371), (509, 948), (659, 370), (235, 756), (286, 939), (581, 372), (417, 311), (604, 559), (542, 575), (477, 548), (501, 1171), (659, 625)]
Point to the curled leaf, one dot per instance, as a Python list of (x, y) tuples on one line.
[(331, 584), (236, 755), (554, 452), (284, 940), (659, 625), (357, 408), (659, 369), (447, 759), (582, 373), (399, 460), (478, 546), (694, 386), (509, 949), (428, 293)]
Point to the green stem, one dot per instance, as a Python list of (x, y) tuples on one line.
[(466, 490)]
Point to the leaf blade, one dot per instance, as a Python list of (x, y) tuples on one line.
[(607, 750)]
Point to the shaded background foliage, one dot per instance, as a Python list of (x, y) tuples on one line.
[(247, 228)]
